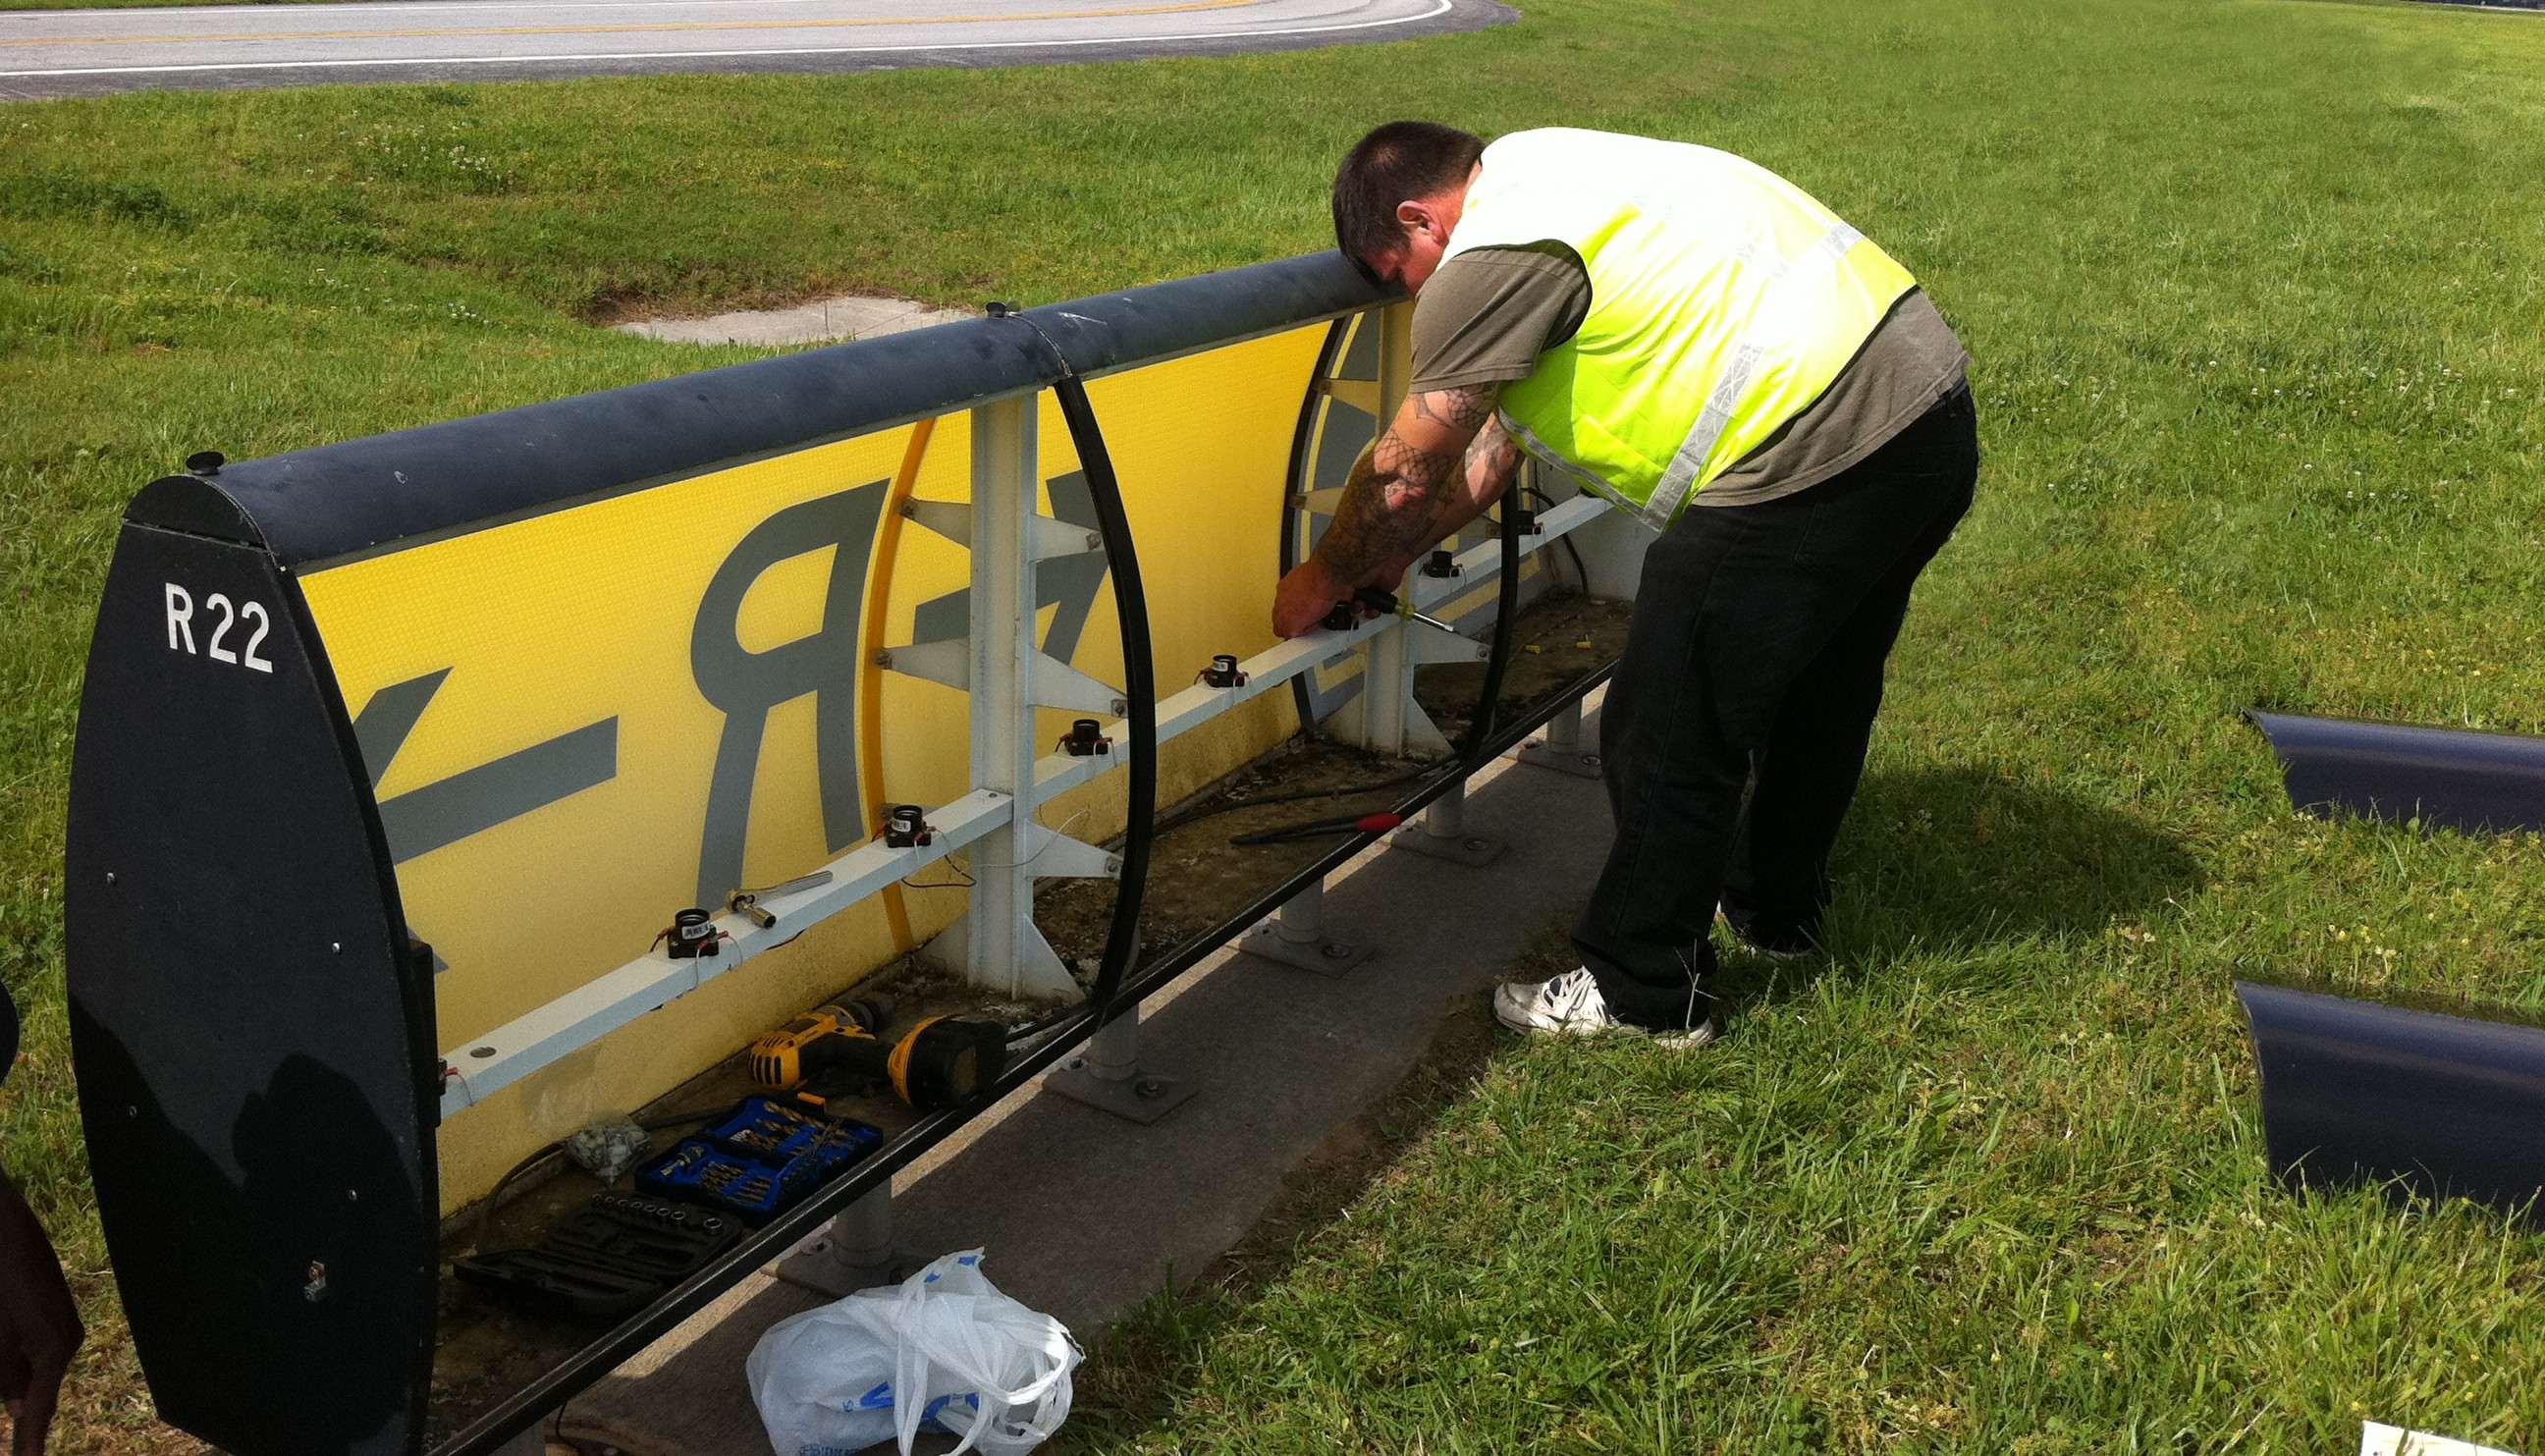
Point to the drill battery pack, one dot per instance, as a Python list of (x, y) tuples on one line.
[(608, 1259), (759, 1160)]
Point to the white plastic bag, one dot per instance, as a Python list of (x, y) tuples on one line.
[(944, 1348)]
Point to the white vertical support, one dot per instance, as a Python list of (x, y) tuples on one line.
[(1383, 715), (1002, 947), (1387, 679), (1562, 748), (1564, 730), (1109, 1077), (1296, 937), (1442, 831), (853, 1252), (1113, 1054), (1611, 549)]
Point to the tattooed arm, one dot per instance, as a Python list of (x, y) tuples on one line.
[(1443, 460)]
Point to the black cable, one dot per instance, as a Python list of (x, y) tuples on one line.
[(1139, 672), (1580, 573), (1480, 728)]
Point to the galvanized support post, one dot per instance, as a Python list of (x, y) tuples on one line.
[(855, 1252), (1442, 834), (1562, 749), (1383, 716), (1108, 1075), (1296, 937), (1002, 947)]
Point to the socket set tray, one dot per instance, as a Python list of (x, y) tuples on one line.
[(608, 1258), (759, 1160)]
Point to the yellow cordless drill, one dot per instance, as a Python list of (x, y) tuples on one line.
[(943, 1061)]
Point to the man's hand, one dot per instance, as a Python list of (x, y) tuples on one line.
[(1436, 468), (1305, 595), (39, 1324)]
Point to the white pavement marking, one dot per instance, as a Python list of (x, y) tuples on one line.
[(1214, 21)]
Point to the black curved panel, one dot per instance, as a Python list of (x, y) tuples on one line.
[(337, 500), (251, 1036), (195, 505), (2386, 771), (2449, 1103)]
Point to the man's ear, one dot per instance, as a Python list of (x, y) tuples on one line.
[(1413, 216)]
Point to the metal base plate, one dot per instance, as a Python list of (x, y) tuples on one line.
[(1143, 1098), (1470, 849), (1579, 762), (813, 1267), (1325, 955)]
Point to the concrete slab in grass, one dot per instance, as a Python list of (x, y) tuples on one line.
[(822, 321)]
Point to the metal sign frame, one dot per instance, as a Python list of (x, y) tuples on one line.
[(250, 1013)]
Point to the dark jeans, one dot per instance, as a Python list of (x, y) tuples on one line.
[(1755, 660)]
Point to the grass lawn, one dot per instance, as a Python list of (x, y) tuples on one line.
[(2254, 291)]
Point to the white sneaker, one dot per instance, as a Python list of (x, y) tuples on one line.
[(1570, 1004)]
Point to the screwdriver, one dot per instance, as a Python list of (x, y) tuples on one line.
[(748, 901)]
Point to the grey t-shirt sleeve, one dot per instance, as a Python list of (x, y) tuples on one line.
[(1487, 314)]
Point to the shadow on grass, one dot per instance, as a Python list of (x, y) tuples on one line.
[(1929, 861), (1954, 860)]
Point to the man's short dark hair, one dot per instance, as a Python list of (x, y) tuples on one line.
[(1396, 162)]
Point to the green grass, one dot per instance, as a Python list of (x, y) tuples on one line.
[(2253, 286)]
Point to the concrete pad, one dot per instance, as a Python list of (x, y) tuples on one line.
[(1085, 1215), (822, 321)]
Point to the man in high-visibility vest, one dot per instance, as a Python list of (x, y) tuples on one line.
[(1696, 340)]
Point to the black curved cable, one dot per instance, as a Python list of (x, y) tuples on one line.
[(1480, 728), (1139, 689), (1139, 686)]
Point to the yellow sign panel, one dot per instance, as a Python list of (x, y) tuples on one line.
[(581, 722)]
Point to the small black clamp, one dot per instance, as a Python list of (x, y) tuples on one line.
[(1442, 564), (692, 934), (1525, 519), (1084, 740), (906, 827), (1223, 672), (1348, 614)]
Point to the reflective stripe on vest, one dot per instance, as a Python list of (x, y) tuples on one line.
[(1724, 301), (1734, 382)]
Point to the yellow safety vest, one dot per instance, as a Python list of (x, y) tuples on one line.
[(1723, 300)]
